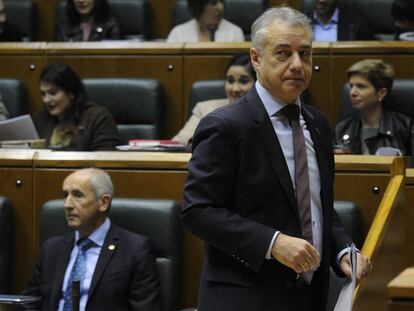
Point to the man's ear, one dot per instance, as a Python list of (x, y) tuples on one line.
[(104, 202), (254, 58)]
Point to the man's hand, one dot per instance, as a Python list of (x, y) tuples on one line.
[(295, 253), (363, 266)]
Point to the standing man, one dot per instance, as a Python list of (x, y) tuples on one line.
[(270, 234), (115, 267)]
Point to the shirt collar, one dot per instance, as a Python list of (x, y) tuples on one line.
[(333, 20), (271, 103), (98, 236)]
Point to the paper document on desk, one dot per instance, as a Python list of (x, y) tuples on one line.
[(346, 297)]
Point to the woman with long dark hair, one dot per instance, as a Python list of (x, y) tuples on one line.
[(69, 121), (87, 20)]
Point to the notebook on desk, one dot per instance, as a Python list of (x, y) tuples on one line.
[(19, 128)]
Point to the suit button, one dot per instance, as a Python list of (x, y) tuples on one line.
[(290, 285)]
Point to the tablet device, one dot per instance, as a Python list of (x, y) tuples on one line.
[(17, 299)]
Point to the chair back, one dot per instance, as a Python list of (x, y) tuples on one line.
[(23, 15), (137, 105), (134, 18), (379, 17), (400, 99), (180, 13), (243, 13), (205, 90), (15, 96), (156, 219), (6, 243)]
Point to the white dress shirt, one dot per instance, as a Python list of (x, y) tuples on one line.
[(92, 255), (285, 136)]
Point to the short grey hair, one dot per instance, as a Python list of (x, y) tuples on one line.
[(101, 182), (285, 15)]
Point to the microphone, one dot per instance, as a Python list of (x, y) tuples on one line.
[(75, 295), (212, 33)]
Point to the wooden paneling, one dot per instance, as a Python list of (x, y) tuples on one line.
[(17, 185), (24, 61), (161, 17), (409, 208), (46, 19)]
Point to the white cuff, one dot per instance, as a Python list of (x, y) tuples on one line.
[(269, 250)]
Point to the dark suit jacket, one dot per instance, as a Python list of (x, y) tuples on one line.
[(238, 193), (125, 278), (108, 30)]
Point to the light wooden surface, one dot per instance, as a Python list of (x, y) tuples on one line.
[(409, 202), (402, 285)]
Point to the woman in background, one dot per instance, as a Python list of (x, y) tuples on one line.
[(206, 25), (240, 77), (68, 120), (87, 20), (370, 82)]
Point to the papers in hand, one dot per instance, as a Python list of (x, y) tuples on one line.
[(346, 297)]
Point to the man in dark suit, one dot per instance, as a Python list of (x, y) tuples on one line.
[(118, 267), (337, 20), (240, 195)]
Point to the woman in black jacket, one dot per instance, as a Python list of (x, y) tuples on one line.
[(373, 127), (87, 20)]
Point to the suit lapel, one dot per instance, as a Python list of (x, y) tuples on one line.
[(270, 144), (108, 250), (61, 266)]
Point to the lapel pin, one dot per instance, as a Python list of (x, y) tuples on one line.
[(111, 247)]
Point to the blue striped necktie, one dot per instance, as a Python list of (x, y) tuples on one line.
[(78, 271)]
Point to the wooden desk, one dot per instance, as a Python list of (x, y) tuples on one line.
[(16, 183), (401, 291), (376, 185), (409, 213)]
